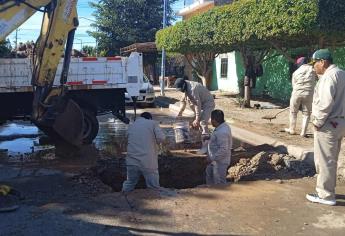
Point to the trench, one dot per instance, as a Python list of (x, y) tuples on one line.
[(178, 172), (179, 165)]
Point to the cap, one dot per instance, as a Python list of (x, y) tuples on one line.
[(179, 83), (300, 60), (321, 54)]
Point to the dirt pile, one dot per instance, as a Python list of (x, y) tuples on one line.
[(270, 165)]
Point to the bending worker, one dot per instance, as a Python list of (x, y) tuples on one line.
[(219, 150), (329, 125), (200, 100), (303, 83), (142, 152)]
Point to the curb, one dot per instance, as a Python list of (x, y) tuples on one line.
[(300, 153)]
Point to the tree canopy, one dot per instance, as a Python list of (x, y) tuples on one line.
[(5, 48), (120, 23), (259, 25)]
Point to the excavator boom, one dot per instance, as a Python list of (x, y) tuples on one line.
[(52, 111), (13, 14)]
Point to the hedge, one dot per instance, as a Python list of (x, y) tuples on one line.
[(258, 25)]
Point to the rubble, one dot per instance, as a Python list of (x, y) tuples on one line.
[(268, 165), (300, 167), (91, 182)]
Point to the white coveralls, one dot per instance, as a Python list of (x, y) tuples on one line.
[(201, 102), (303, 83), (219, 152), (329, 115), (142, 153)]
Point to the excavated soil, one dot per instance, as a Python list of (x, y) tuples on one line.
[(269, 165)]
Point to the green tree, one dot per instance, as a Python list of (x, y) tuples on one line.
[(89, 50), (120, 23), (5, 48)]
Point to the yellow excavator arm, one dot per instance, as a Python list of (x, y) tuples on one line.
[(13, 14), (51, 111)]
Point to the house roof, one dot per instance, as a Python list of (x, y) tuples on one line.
[(147, 47)]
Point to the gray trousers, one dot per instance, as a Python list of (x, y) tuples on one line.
[(133, 175), (327, 142), (205, 117), (304, 99), (216, 173)]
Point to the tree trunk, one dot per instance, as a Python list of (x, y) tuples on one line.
[(247, 96), (206, 79), (203, 80), (202, 63), (247, 92)]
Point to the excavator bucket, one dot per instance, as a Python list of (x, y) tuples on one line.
[(69, 124)]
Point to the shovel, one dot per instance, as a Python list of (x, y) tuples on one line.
[(271, 117)]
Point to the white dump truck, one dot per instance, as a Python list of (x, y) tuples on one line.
[(97, 84)]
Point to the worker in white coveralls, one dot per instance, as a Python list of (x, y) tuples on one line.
[(303, 83), (329, 125), (142, 152), (219, 150), (201, 102)]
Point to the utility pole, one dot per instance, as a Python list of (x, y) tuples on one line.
[(16, 48), (161, 81)]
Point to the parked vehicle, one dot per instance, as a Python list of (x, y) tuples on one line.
[(146, 94), (97, 85)]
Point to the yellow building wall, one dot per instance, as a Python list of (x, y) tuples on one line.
[(198, 11)]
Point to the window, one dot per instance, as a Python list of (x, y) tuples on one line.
[(223, 67)]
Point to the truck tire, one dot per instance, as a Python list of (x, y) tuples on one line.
[(90, 126)]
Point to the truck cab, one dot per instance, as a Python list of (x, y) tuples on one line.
[(146, 94)]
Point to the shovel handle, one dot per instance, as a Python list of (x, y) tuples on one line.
[(282, 111)]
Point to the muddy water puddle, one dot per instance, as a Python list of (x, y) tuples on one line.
[(20, 139)]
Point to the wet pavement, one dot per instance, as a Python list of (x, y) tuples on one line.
[(19, 141), (18, 138)]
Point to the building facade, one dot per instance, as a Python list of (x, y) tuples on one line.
[(224, 69)]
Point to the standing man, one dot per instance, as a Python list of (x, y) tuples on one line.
[(219, 150), (303, 83), (201, 101), (142, 152), (329, 124)]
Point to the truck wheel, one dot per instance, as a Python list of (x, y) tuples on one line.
[(90, 127)]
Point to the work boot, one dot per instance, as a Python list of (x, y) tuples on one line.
[(305, 122), (292, 128)]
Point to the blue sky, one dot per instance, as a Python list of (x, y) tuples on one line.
[(30, 29)]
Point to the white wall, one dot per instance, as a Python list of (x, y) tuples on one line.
[(228, 84)]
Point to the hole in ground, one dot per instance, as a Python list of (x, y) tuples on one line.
[(180, 170)]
